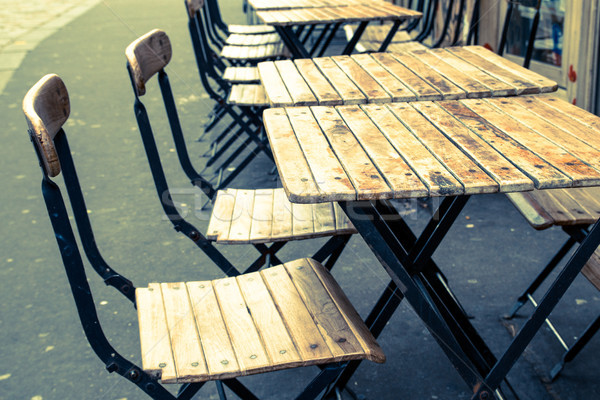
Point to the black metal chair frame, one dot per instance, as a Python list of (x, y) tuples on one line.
[(331, 250), (246, 119)]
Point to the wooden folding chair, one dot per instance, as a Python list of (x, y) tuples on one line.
[(252, 217), (575, 211), (236, 48), (287, 316)]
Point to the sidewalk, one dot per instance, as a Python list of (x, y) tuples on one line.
[(24, 24), (44, 353)]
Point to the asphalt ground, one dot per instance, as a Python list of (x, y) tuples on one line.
[(488, 256)]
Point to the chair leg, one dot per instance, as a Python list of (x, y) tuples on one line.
[(240, 390), (331, 250), (522, 299), (321, 381), (221, 390), (570, 354)]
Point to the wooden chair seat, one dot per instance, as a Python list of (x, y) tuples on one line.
[(286, 316), (545, 208), (254, 53), (266, 215), (250, 29), (241, 75), (252, 40), (252, 95)]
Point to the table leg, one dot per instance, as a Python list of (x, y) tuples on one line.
[(377, 229), (390, 36), (355, 38), (292, 42), (329, 39)]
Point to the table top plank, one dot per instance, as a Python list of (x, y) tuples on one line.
[(422, 89), (365, 82), (459, 164), (546, 84), (388, 82), (293, 168), (343, 85), (539, 171), (472, 87), (448, 89), (564, 161), (295, 84), (364, 175), (329, 175), (321, 88), (498, 87), (276, 90), (523, 85), (519, 110), (566, 108), (398, 175), (438, 180), (563, 117), (479, 151)]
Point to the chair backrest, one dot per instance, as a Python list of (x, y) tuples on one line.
[(194, 6), (147, 55), (46, 107), (142, 65)]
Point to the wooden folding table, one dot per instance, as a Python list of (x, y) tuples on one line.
[(363, 155), (437, 74), (284, 21)]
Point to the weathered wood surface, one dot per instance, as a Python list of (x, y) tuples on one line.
[(441, 148), (266, 215), (287, 316), (261, 52), (261, 5), (441, 74), (241, 75), (375, 10), (251, 94)]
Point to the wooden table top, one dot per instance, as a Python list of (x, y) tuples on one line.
[(378, 10), (442, 148), (437, 74), (259, 5)]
